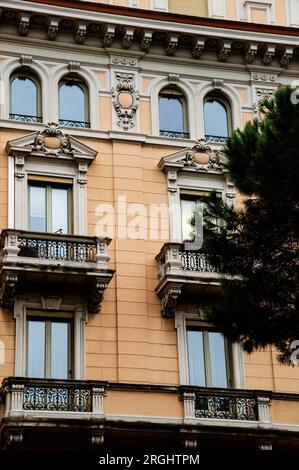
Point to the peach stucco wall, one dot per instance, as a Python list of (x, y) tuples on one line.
[(129, 341)]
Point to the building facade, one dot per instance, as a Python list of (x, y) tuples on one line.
[(112, 119)]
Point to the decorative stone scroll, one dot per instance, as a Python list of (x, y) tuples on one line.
[(125, 100)]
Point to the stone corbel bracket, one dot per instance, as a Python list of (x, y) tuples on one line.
[(125, 100), (96, 294), (169, 300), (8, 281)]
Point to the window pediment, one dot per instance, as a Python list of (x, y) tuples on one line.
[(200, 157), (51, 142)]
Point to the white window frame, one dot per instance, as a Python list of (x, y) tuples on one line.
[(292, 12), (160, 5), (268, 5), (237, 365), (23, 307), (216, 8)]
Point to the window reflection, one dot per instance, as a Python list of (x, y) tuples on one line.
[(37, 209), (49, 348), (172, 112), (216, 118), (49, 208), (25, 102), (59, 350), (72, 101), (207, 358), (36, 359)]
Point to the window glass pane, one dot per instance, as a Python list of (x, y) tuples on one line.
[(187, 211), (59, 200), (59, 350), (196, 358), (171, 113), (24, 96), (217, 360), (188, 208), (71, 102), (36, 349), (215, 115), (37, 209)]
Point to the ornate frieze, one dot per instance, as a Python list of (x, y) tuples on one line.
[(263, 77), (127, 61)]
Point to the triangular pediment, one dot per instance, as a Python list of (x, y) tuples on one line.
[(51, 142), (198, 157)]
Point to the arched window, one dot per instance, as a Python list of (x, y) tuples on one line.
[(73, 102), (216, 119), (173, 114), (25, 97)]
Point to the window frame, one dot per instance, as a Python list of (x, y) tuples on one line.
[(194, 314), (48, 318), (35, 79), (49, 185), (205, 329), (176, 92), (84, 87), (226, 104)]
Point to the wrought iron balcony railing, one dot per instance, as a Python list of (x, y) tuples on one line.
[(227, 404), (77, 124), (25, 118), (39, 395), (216, 139), (174, 134), (196, 261), (61, 249)]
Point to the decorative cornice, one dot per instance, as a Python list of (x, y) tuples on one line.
[(261, 43), (166, 17)]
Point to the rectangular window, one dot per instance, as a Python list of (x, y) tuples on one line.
[(49, 207), (208, 358), (49, 347)]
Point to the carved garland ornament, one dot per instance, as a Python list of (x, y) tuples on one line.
[(52, 141), (125, 100), (202, 157)]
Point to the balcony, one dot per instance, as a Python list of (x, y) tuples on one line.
[(184, 272), (226, 407), (32, 260), (47, 403)]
